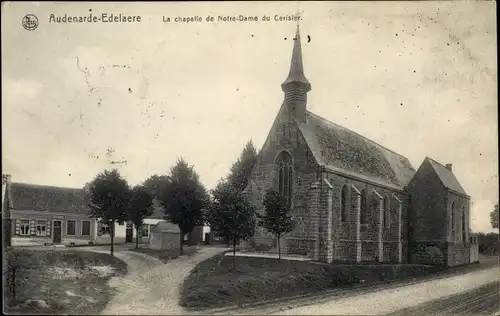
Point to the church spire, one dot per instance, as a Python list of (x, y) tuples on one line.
[(296, 85), (296, 74)]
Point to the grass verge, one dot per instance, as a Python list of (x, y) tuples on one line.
[(56, 282), (214, 284)]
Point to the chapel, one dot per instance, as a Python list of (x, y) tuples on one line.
[(352, 199)]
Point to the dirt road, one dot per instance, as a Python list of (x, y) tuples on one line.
[(151, 287), (386, 301), (484, 300)]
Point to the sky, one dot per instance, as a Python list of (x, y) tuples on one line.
[(419, 78)]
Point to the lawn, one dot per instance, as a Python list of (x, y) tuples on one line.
[(167, 254), (60, 281), (213, 283)]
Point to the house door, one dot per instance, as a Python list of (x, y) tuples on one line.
[(57, 232), (129, 233)]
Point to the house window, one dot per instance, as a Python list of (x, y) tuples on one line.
[(145, 230), (284, 163), (363, 209), (453, 219), (41, 228), (85, 228), (344, 204), (24, 227), (387, 212), (71, 227)]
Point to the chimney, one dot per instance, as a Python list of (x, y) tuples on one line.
[(449, 166)]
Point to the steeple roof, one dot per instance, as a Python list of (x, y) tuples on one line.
[(296, 73)]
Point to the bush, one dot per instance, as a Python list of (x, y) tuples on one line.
[(488, 243)]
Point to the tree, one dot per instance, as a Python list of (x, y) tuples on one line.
[(276, 218), (494, 217), (156, 184), (183, 198), (488, 243), (108, 199), (241, 169), (230, 215), (140, 207)]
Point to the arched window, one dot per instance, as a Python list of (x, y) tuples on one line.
[(453, 219), (387, 212), (363, 208), (285, 168), (344, 204)]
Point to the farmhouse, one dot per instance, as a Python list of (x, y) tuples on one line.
[(353, 199), (38, 214)]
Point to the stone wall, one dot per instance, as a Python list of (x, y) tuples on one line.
[(428, 205), (458, 254), (373, 248), (285, 136), (431, 219), (433, 253)]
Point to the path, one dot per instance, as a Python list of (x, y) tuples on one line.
[(151, 287)]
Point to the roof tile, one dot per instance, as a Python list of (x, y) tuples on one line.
[(343, 149)]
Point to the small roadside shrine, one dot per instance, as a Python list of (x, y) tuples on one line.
[(164, 235)]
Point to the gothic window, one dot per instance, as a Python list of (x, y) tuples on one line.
[(453, 219), (344, 204), (363, 209), (285, 174), (387, 212)]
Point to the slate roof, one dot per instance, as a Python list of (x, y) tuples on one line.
[(33, 197), (340, 149), (446, 176), (48, 198)]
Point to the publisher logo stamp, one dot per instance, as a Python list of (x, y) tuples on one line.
[(30, 22)]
